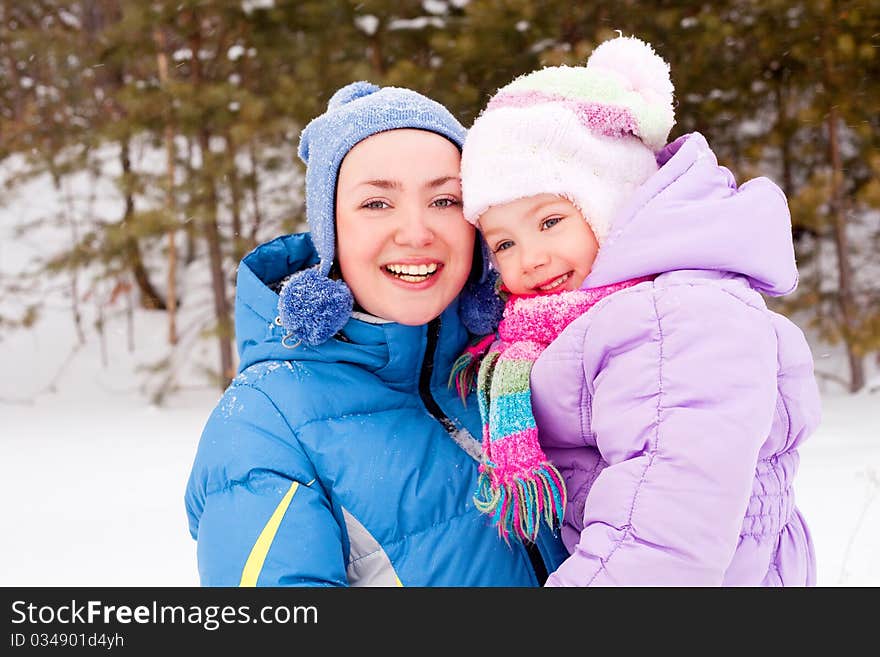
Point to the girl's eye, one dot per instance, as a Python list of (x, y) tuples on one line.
[(550, 222), (502, 246), (447, 202), (375, 205)]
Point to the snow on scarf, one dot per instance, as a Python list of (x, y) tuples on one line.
[(517, 484)]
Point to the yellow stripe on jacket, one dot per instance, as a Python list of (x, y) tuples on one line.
[(257, 557)]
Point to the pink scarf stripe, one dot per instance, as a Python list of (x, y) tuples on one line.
[(518, 485), (516, 452), (541, 318), (522, 350)]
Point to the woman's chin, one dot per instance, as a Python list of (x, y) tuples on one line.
[(412, 310), (409, 304), (417, 314)]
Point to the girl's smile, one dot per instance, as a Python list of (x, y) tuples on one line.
[(552, 284)]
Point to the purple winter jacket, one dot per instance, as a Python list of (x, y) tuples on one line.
[(674, 408)]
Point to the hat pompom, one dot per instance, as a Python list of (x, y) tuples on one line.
[(312, 307), (636, 62), (481, 308), (351, 92)]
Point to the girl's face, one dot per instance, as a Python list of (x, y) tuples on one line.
[(403, 246), (541, 244)]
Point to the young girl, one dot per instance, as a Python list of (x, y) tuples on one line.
[(636, 353)]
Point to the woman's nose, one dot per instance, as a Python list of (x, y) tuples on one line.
[(414, 231)]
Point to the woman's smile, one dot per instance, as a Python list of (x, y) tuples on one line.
[(413, 272)]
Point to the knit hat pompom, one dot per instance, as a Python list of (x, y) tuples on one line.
[(312, 307), (637, 63), (587, 133), (481, 307)]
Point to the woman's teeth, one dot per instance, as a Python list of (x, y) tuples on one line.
[(412, 273), (553, 285)]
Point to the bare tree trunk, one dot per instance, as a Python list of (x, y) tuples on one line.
[(848, 309), (189, 226), (783, 127), (11, 65), (215, 259), (844, 269), (99, 325), (150, 298), (112, 78), (255, 197), (785, 130), (376, 57), (172, 241), (15, 86), (69, 219), (129, 321), (172, 205), (238, 239), (211, 229)]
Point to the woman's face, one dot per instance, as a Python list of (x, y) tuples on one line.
[(403, 246)]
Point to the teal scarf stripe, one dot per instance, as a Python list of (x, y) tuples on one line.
[(510, 414)]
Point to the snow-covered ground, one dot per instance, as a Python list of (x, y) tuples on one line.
[(94, 473)]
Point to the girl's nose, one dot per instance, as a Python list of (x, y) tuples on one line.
[(533, 257), (414, 231)]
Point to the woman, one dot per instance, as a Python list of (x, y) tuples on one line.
[(339, 456)]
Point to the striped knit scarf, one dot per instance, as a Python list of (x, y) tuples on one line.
[(517, 484)]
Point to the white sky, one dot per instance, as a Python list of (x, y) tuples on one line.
[(94, 474)]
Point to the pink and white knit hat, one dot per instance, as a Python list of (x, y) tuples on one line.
[(587, 133)]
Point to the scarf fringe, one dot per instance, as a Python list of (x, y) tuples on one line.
[(465, 368), (518, 487), (518, 505)]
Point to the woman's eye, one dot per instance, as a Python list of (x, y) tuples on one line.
[(375, 205), (502, 246), (549, 223), (448, 202)]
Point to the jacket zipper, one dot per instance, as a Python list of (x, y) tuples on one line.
[(437, 413), (425, 379)]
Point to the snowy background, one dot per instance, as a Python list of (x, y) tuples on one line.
[(93, 472)]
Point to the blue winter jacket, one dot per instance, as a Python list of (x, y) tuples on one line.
[(351, 463)]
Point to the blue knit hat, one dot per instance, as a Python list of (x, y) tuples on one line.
[(312, 307)]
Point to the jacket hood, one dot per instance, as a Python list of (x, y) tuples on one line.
[(692, 215), (391, 350)]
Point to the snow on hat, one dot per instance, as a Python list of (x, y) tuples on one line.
[(311, 306), (587, 133)]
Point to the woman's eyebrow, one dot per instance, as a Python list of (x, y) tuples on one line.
[(382, 183), (438, 182)]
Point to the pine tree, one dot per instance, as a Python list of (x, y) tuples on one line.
[(790, 90)]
